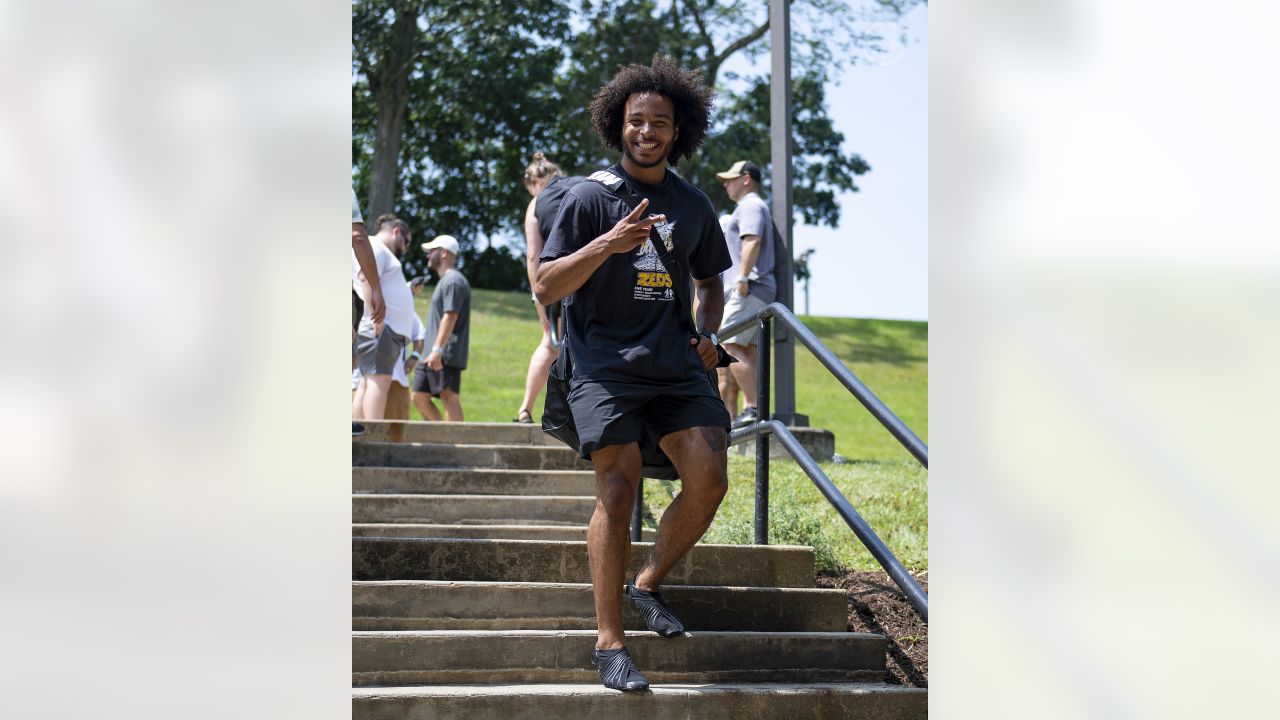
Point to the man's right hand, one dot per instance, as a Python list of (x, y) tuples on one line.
[(631, 231), (376, 310)]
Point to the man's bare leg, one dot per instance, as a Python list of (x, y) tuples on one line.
[(536, 378), (423, 402), (699, 455), (744, 371), (357, 401), (617, 470), (452, 405), (728, 391), (376, 388)]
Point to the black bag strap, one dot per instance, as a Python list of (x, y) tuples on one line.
[(618, 187)]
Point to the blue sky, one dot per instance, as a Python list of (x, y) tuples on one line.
[(876, 264)]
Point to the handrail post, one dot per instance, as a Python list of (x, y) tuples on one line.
[(763, 351), (637, 511)]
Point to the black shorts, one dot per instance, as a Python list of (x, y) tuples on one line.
[(617, 412), (357, 310), (434, 382)]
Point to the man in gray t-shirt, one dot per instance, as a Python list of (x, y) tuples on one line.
[(449, 332), (751, 285)]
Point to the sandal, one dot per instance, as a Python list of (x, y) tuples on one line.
[(524, 418)]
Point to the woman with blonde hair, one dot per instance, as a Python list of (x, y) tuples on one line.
[(547, 183)]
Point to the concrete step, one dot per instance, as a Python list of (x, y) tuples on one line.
[(564, 656), (819, 443), (462, 481), (437, 605), (493, 532), (763, 701), (430, 455), (376, 558), (473, 509), (451, 433)]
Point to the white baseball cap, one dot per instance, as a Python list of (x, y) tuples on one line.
[(448, 242)]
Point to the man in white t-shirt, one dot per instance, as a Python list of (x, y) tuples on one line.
[(379, 352), (372, 289), (363, 252)]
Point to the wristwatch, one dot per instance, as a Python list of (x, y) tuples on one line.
[(437, 349), (710, 336)]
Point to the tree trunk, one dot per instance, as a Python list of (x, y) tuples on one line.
[(392, 98)]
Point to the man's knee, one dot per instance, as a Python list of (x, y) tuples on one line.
[(727, 383), (712, 481), (615, 497), (617, 471), (744, 353)]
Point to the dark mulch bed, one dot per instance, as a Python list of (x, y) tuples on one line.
[(876, 605)]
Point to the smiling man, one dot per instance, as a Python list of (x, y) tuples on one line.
[(638, 370)]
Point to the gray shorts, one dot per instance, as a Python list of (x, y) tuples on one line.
[(378, 356), (737, 307)]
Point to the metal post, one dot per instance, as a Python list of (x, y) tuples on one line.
[(762, 440), (780, 152), (637, 512)]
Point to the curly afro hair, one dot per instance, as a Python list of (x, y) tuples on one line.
[(685, 88)]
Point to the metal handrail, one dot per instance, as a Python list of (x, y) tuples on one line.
[(763, 428), (881, 552), (878, 409)]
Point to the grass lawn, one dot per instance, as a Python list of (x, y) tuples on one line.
[(891, 496), (504, 332), (880, 478)]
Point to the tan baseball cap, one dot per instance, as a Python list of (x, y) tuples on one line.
[(740, 168)]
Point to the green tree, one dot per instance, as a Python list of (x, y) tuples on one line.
[(705, 34), (447, 98), (450, 99)]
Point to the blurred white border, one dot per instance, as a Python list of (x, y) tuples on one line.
[(174, 486), (1104, 294)]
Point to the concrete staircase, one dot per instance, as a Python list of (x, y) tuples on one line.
[(471, 598)]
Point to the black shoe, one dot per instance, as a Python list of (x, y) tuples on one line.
[(356, 429), (748, 416), (657, 616), (618, 671)]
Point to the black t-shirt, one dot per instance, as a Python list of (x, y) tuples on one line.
[(625, 322), (547, 205)]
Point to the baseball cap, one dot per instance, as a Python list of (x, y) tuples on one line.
[(448, 242), (740, 168)]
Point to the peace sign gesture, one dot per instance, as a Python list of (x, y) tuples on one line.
[(631, 231)]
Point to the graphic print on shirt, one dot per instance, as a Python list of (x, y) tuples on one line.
[(653, 282)]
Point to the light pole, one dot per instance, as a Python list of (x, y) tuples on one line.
[(803, 274), (784, 347)]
